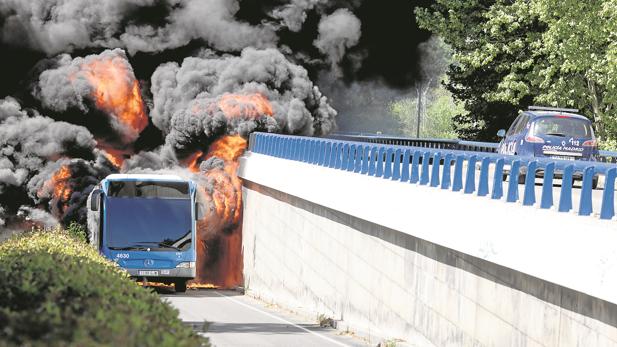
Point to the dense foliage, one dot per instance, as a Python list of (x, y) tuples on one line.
[(56, 290), (510, 54)]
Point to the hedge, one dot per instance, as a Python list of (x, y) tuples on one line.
[(58, 291)]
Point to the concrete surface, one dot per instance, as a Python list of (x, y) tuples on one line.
[(425, 265), (233, 319)]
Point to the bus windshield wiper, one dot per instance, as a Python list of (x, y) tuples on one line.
[(162, 244), (131, 248)]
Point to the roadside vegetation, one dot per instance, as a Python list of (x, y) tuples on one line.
[(56, 291), (507, 55)]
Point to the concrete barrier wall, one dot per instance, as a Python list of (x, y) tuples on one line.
[(305, 249)]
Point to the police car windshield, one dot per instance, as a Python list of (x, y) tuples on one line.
[(562, 126)]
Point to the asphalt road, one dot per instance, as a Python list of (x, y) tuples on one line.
[(234, 319)]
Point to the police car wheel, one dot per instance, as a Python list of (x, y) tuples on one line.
[(180, 286)]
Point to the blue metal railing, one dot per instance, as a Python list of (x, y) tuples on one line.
[(474, 146), (422, 166)]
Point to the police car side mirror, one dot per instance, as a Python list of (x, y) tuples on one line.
[(501, 133), (200, 211), (95, 200)]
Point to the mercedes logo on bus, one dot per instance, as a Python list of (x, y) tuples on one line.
[(148, 262)]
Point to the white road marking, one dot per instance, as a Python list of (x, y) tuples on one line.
[(282, 320)]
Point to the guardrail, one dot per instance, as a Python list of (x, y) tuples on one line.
[(462, 145), (444, 169)]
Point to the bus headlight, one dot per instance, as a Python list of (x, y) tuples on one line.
[(186, 265)]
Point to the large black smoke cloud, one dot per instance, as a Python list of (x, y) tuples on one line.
[(188, 55), (32, 149), (185, 96)]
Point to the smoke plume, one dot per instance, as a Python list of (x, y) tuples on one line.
[(92, 88), (338, 32)]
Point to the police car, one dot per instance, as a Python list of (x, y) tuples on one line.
[(548, 132)]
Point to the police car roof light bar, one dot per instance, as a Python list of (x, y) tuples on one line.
[(542, 108)]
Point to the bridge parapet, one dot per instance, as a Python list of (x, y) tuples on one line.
[(455, 170), (418, 262)]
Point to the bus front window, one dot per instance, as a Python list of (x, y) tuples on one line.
[(153, 215)]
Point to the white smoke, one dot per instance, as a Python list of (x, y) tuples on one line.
[(55, 26), (338, 32)]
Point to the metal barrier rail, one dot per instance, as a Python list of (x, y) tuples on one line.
[(413, 164), (608, 157), (474, 146)]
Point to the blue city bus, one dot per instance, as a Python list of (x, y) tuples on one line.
[(146, 224)]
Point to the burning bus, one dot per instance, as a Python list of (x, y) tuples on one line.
[(146, 223)]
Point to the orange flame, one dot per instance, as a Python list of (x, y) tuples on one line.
[(116, 91), (115, 156), (227, 195), (251, 105), (219, 246), (228, 148), (220, 227), (192, 162), (60, 181), (58, 187)]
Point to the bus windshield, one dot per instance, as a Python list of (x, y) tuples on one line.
[(149, 217)]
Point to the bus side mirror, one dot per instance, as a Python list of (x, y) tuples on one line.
[(501, 133), (200, 211), (95, 200)]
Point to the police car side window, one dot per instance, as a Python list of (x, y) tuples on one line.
[(521, 125), (514, 125)]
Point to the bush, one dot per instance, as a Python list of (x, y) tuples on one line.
[(56, 290), (78, 231)]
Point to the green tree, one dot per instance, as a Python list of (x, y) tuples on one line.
[(511, 53), (480, 62), (437, 122)]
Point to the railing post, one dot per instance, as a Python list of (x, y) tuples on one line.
[(278, 146), (547, 186), (306, 148), (327, 154), (314, 151), (483, 185), (457, 184), (435, 169), (366, 156), (585, 207), (372, 163), (333, 154), (357, 165), (380, 157), (565, 198), (497, 192), (405, 166), (267, 146), (513, 181), (338, 157), (608, 196), (278, 150), (530, 184), (344, 157), (396, 167), (387, 173), (470, 180), (445, 176), (415, 167), (351, 161), (425, 174)]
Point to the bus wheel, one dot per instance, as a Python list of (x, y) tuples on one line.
[(180, 286)]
